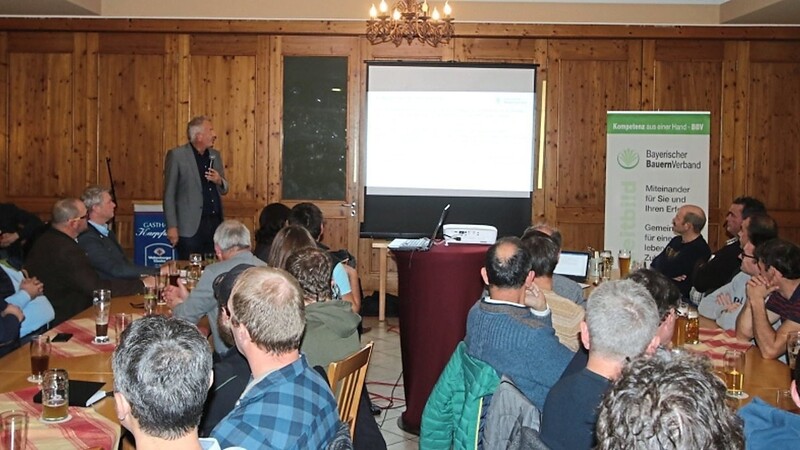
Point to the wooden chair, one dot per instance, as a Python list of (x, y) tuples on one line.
[(346, 378)]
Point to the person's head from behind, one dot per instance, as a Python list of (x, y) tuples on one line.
[(312, 267), (666, 295), (778, 259), (231, 235), (267, 312), (273, 217), (70, 216), (547, 229), (222, 286), (507, 265), (620, 305), (162, 373), (289, 240), (669, 400), (308, 216), (544, 253)]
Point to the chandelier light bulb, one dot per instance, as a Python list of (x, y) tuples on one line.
[(373, 12), (447, 9), (396, 15), (435, 15), (383, 7)]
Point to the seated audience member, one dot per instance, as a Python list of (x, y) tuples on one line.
[(17, 228), (670, 400), (232, 246), (162, 370), (724, 263), (666, 296), (26, 293), (58, 261), (287, 405), (273, 217), (570, 412), (309, 216), (686, 251), (758, 228), (772, 294), (100, 242), (10, 319), (767, 427), (724, 305), (331, 325), (562, 285), (291, 239), (566, 315), (231, 372), (512, 331)]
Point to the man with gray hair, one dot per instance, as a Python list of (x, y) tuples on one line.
[(232, 246), (61, 265), (287, 404), (100, 242), (194, 180), (162, 371), (670, 400), (570, 411)]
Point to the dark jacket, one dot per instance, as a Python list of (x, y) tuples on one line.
[(68, 277), (107, 257)]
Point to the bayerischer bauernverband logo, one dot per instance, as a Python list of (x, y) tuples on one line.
[(628, 159)]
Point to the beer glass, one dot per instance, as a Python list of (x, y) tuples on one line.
[(608, 263), (40, 357), (209, 258), (792, 347), (13, 430), (193, 275), (161, 284), (733, 364), (624, 261), (195, 259), (121, 321), (692, 327), (150, 299), (55, 395), (102, 310), (784, 400), (174, 274), (681, 320)]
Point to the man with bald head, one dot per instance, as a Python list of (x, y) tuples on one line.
[(59, 262), (511, 329), (686, 251)]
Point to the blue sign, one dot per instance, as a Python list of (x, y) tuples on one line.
[(150, 244)]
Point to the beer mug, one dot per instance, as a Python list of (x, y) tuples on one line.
[(102, 310), (55, 395)]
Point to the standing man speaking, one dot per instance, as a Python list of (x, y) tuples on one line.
[(194, 180)]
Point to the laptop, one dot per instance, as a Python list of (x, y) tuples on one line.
[(573, 265), (420, 244)]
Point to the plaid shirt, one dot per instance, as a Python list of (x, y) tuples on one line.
[(292, 408)]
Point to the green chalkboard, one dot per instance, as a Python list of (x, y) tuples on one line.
[(314, 127)]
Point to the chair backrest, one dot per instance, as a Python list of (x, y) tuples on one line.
[(346, 378)]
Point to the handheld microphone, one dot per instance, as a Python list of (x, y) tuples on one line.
[(211, 159)]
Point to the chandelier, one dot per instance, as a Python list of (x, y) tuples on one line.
[(410, 20)]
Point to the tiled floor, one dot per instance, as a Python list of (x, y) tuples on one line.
[(385, 368)]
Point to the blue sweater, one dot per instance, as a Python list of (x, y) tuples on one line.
[(767, 427), (517, 344)]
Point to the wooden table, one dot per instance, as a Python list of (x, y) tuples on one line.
[(15, 367)]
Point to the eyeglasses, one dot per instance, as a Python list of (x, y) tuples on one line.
[(83, 217), (745, 255), (234, 321)]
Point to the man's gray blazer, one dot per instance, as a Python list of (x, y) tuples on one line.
[(183, 190)]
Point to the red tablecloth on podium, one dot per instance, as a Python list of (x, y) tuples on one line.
[(436, 289)]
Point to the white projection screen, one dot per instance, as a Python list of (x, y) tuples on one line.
[(439, 133)]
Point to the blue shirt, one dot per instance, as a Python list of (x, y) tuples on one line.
[(291, 408)]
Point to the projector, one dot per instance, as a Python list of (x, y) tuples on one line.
[(469, 234)]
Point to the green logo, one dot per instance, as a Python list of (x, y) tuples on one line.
[(628, 159)]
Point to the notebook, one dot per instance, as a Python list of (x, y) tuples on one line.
[(420, 244), (573, 265)]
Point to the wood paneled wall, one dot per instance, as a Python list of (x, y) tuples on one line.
[(84, 91)]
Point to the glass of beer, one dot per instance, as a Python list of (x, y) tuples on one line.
[(624, 261), (608, 263), (40, 357), (681, 320), (102, 310), (174, 273), (161, 284), (55, 395), (150, 299), (792, 348), (14, 430), (692, 327), (733, 364), (121, 321)]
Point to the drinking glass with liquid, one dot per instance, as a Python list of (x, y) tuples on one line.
[(55, 395), (624, 261), (101, 300), (792, 348), (40, 357), (681, 320), (14, 430), (734, 364), (692, 327)]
